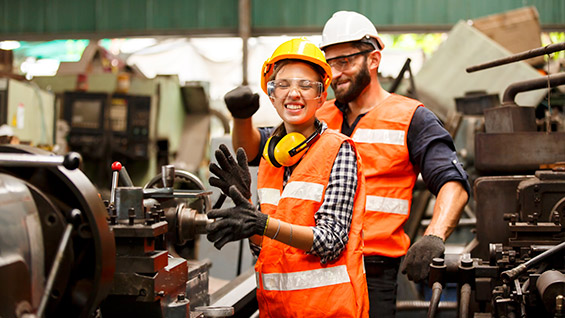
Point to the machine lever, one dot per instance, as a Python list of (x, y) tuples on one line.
[(116, 167), (75, 218), (125, 178), (511, 274), (437, 288)]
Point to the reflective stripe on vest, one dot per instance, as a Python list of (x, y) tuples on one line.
[(296, 190), (269, 196), (388, 205), (379, 136), (306, 279), (304, 191)]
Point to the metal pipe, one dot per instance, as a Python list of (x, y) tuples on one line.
[(168, 176), (244, 33), (70, 161), (462, 222), (548, 49), (511, 274), (406, 305), (114, 186), (530, 85), (464, 301), (434, 300)]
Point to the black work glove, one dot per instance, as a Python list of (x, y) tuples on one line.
[(236, 223), (230, 173), (241, 102), (416, 264)]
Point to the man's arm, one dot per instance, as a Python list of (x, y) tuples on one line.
[(432, 152), (450, 201), (246, 136)]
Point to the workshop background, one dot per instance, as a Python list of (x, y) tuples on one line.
[(142, 83)]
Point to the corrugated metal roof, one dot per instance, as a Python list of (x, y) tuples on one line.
[(41, 20)]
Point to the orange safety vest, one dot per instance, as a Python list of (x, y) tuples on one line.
[(291, 283), (380, 137)]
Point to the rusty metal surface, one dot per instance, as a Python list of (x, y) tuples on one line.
[(519, 152), (140, 229), (475, 103), (170, 280), (507, 119), (150, 263)]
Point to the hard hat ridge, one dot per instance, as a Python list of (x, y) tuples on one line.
[(350, 26)]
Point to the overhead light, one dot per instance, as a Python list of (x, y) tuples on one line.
[(133, 45), (9, 45)]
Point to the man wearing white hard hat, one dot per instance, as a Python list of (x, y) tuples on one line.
[(397, 139)]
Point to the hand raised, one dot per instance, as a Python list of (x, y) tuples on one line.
[(229, 172)]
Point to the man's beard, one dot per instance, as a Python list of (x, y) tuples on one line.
[(357, 84)]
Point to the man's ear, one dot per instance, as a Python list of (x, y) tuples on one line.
[(374, 60)]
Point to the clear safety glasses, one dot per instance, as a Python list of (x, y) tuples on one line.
[(308, 89), (341, 63)]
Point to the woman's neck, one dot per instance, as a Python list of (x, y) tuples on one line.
[(306, 129)]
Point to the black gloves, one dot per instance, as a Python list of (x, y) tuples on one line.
[(243, 220), (231, 173), (241, 102), (236, 223), (416, 264)]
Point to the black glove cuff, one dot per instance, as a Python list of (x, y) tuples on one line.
[(260, 224), (243, 114), (435, 237)]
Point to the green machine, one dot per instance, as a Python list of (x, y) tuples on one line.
[(141, 128), (28, 112)]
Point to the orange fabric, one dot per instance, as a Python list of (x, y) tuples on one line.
[(347, 299), (387, 169)]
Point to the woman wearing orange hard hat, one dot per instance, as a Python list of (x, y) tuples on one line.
[(307, 232)]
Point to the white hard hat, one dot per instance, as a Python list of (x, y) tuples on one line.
[(349, 26)]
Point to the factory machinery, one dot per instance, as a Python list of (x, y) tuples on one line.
[(520, 275), (515, 266), (66, 252)]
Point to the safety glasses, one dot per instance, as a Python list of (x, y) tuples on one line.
[(308, 89), (341, 63)]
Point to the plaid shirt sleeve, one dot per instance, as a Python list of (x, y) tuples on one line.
[(333, 219)]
